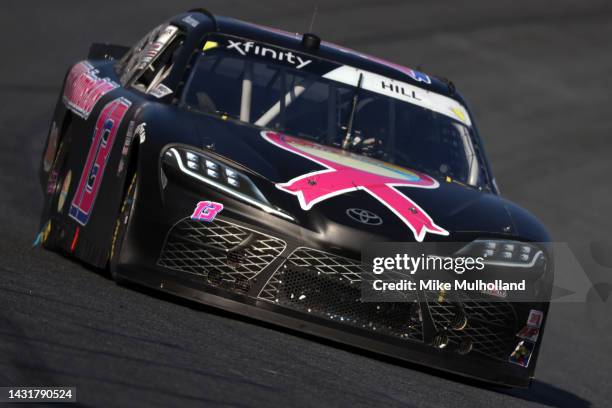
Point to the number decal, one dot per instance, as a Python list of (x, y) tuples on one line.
[(206, 211), (104, 136)]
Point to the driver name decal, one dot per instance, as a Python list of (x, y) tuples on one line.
[(345, 172)]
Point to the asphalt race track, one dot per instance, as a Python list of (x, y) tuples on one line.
[(538, 75)]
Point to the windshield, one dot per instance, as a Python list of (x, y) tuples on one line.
[(335, 105)]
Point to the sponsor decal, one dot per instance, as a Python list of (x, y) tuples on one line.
[(345, 172), (529, 333), (416, 75), (84, 88), (139, 131), (42, 236), (64, 191), (160, 91), (153, 49), (127, 143), (129, 136), (191, 21), (49, 156), (52, 181), (522, 353), (151, 52), (535, 318), (104, 136), (252, 48), (206, 211)]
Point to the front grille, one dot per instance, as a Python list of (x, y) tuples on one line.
[(323, 262), (221, 251), (329, 286), (491, 325)]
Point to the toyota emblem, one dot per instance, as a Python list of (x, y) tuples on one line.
[(364, 216)]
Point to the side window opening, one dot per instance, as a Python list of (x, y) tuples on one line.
[(128, 65), (150, 62), (159, 68)]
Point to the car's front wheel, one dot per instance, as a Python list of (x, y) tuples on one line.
[(121, 225), (56, 192)]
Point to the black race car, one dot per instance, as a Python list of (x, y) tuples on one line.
[(247, 168)]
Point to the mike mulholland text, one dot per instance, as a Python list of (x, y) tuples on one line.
[(437, 285)]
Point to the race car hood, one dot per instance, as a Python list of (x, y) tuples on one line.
[(353, 197)]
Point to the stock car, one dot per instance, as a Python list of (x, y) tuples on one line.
[(246, 168)]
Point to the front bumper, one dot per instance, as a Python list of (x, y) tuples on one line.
[(409, 349), (266, 268)]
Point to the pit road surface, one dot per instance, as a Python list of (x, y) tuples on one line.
[(538, 76)]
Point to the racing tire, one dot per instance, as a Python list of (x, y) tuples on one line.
[(59, 177), (121, 226)]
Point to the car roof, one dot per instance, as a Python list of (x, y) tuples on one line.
[(327, 50)]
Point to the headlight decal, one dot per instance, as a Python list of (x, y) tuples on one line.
[(215, 173), (505, 253)]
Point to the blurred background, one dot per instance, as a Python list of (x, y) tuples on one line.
[(538, 77)]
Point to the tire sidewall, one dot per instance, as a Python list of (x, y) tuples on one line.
[(122, 225)]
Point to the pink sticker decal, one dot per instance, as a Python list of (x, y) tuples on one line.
[(206, 211), (348, 172), (535, 318), (84, 89), (529, 333)]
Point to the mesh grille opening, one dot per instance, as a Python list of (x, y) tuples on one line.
[(329, 286), (221, 251), (490, 325)]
